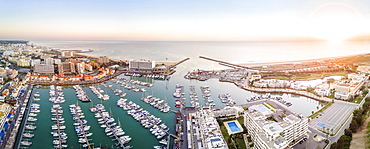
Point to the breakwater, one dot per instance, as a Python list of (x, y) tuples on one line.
[(224, 63)]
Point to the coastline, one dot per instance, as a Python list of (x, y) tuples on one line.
[(298, 61)]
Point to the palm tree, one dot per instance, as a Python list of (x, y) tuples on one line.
[(332, 131)]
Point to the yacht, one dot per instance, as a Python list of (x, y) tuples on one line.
[(164, 142), (28, 135), (31, 127), (26, 143)]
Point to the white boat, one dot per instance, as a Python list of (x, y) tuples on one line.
[(88, 134), (159, 147), (82, 140), (120, 133), (58, 127), (123, 95), (164, 142), (26, 143), (32, 119), (32, 114), (105, 97), (28, 135)]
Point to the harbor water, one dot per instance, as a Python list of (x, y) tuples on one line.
[(141, 137), (163, 89)]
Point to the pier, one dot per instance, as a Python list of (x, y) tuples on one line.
[(77, 113), (224, 63), (179, 62)]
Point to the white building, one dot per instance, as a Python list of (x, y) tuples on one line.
[(49, 61), (44, 69), (322, 92), (281, 132), (57, 61), (203, 131), (341, 95), (141, 64), (35, 62), (23, 63), (67, 53), (80, 67)]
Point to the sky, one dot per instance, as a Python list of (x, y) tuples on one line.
[(231, 20)]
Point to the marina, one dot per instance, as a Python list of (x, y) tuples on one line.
[(139, 116)]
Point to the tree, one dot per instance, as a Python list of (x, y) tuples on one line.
[(327, 132), (334, 145), (348, 132), (332, 131)]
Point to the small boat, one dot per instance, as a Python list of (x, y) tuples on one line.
[(30, 127), (123, 95), (32, 114), (164, 142), (159, 147), (26, 143), (28, 135)]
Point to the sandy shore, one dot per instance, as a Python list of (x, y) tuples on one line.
[(294, 62)]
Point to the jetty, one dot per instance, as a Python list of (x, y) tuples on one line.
[(178, 63), (224, 63)]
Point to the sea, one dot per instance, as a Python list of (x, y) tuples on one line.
[(173, 51)]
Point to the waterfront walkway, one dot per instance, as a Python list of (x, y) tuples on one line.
[(81, 82)]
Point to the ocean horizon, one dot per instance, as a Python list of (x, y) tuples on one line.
[(230, 51)]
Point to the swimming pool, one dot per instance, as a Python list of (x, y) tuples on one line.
[(233, 127)]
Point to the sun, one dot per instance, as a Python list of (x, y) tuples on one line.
[(336, 22), (335, 41)]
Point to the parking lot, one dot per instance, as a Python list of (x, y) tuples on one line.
[(333, 117)]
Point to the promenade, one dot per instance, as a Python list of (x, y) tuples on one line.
[(81, 82)]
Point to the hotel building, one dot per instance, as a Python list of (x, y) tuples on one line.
[(141, 64), (80, 67), (274, 130), (66, 67), (103, 60), (44, 69)]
